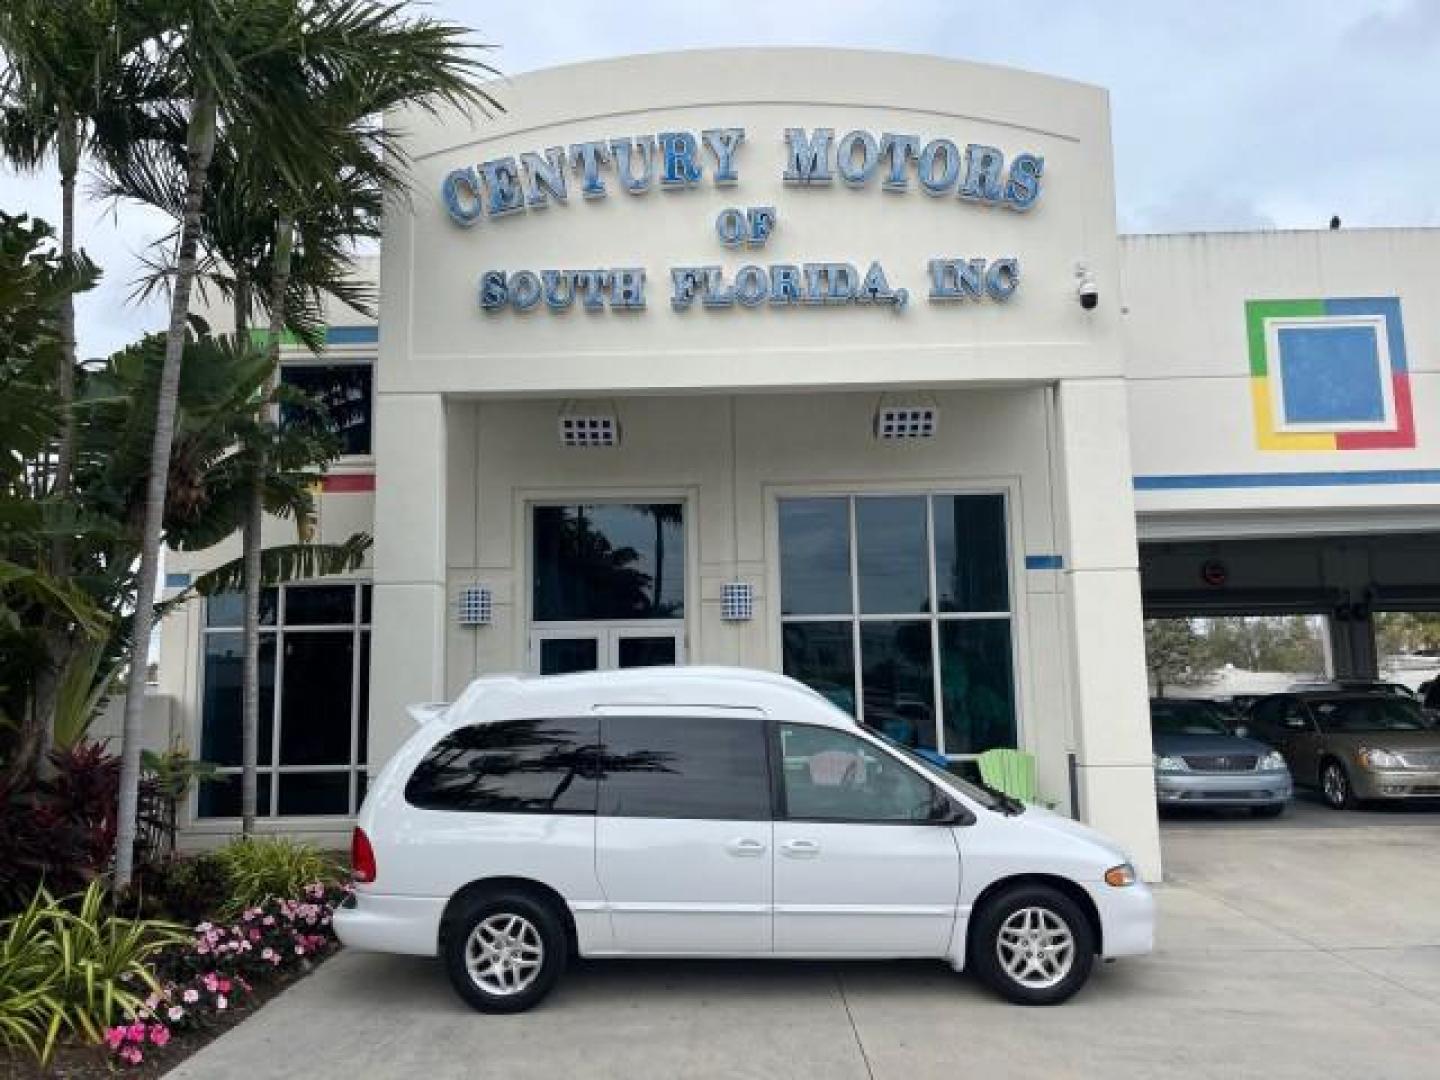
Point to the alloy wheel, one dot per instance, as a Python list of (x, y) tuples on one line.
[(1335, 785), (504, 954), (1035, 947)]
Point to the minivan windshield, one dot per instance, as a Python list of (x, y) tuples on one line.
[(984, 796), (1365, 715)]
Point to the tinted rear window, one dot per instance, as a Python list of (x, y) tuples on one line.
[(685, 767), (511, 767)]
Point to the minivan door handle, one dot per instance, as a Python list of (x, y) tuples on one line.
[(801, 849), (745, 847)]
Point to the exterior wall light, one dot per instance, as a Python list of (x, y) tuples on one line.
[(475, 606), (587, 425), (737, 601), (911, 418)]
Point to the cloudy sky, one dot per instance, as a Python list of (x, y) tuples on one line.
[(1228, 114)]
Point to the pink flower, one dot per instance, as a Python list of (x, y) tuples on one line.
[(254, 935), (267, 953), (135, 1032), (222, 1003), (224, 985), (191, 995), (159, 1034), (175, 1013), (133, 1055), (269, 920), (114, 1037)]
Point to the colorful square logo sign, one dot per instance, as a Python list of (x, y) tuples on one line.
[(1329, 374)]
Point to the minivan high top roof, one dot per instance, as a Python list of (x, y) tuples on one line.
[(727, 688)]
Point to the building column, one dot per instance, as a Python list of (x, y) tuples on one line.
[(407, 638), (1108, 688)]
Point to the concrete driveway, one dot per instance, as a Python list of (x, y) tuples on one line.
[(1284, 952)]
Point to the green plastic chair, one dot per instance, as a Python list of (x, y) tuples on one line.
[(1010, 771)]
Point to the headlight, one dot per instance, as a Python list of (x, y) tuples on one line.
[(1274, 761), (1373, 758), (1120, 876), (1166, 763)]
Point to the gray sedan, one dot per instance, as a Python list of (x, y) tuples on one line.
[(1200, 762)]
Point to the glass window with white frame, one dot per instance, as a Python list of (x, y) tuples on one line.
[(897, 608), (314, 700)]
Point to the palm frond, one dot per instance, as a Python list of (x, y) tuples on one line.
[(288, 562)]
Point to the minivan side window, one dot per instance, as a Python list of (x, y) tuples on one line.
[(684, 767), (511, 767), (832, 775)]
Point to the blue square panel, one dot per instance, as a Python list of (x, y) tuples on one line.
[(1330, 374)]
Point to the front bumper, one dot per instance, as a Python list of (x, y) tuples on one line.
[(1223, 789), (1395, 783), (1127, 918), (391, 924)]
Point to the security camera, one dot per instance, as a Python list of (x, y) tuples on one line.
[(1085, 288)]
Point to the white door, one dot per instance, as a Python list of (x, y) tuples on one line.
[(683, 838), (557, 650), (859, 869)]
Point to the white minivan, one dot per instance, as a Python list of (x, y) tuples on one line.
[(713, 812)]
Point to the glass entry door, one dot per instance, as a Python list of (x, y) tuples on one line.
[(591, 647), (607, 585)]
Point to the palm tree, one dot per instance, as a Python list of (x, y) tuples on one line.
[(37, 607), (277, 229), (67, 88), (64, 88), (253, 66)]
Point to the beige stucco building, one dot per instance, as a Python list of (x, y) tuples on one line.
[(818, 361)]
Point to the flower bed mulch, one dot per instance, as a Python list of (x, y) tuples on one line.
[(87, 1062)]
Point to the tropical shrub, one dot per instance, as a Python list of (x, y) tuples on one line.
[(60, 832), (74, 967), (200, 982), (38, 845), (174, 1008), (28, 1016), (85, 788), (274, 935), (260, 868), (189, 889)]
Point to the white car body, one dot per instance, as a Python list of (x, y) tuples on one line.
[(702, 888)]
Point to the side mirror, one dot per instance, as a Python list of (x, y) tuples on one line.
[(946, 811)]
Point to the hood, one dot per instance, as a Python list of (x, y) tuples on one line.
[(1039, 817), (1386, 740), (1207, 745)]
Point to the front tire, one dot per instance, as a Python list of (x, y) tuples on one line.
[(1335, 786), (505, 952), (1032, 945)]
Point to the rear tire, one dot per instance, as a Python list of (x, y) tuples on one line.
[(1335, 786), (504, 952), (1267, 811), (1032, 945)]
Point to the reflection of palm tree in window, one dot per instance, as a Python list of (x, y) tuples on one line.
[(588, 577), (665, 516), (635, 761), (480, 766)]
